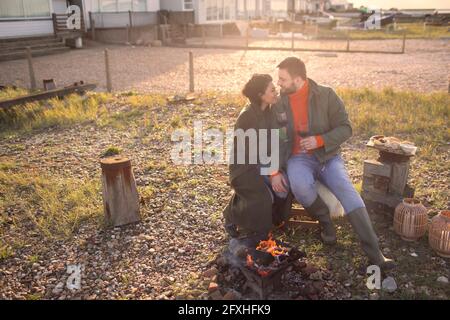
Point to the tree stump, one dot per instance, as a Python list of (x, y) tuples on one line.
[(120, 196)]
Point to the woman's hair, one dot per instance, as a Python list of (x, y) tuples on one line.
[(256, 87)]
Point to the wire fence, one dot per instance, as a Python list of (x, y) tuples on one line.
[(310, 38)]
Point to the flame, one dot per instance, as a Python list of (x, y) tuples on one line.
[(270, 246), (250, 262), (263, 273)]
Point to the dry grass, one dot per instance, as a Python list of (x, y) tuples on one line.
[(53, 207), (57, 205), (411, 30)]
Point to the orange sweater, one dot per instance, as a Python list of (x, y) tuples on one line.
[(299, 107)]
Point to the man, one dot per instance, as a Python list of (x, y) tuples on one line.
[(313, 124)]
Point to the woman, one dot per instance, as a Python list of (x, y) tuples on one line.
[(258, 201)]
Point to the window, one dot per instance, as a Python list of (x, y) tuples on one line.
[(219, 9), (188, 4), (211, 10), (122, 5), (24, 8)]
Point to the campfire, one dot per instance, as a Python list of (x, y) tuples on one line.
[(269, 256), (265, 264)]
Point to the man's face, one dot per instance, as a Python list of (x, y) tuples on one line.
[(287, 83)]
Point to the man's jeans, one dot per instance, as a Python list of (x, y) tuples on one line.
[(303, 169)]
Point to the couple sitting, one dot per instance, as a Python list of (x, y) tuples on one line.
[(311, 123)]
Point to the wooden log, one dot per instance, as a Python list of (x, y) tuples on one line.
[(303, 223), (399, 177), (376, 184), (120, 196), (377, 168), (296, 219), (47, 95), (389, 200), (299, 212)]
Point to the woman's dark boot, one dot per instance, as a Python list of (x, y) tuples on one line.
[(362, 225), (319, 211)]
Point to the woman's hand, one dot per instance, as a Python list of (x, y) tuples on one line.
[(279, 183)]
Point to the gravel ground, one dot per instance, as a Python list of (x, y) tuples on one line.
[(181, 235), (424, 67)]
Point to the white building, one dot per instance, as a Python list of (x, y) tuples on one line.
[(309, 6), (223, 11), (22, 18)]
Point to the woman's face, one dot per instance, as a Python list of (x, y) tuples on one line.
[(270, 96)]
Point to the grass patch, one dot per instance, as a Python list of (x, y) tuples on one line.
[(111, 151), (5, 251), (52, 206), (49, 113), (11, 93), (420, 117), (412, 31)]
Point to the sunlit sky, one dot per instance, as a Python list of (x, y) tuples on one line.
[(403, 4)]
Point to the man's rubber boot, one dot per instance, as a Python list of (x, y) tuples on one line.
[(319, 211), (362, 225)]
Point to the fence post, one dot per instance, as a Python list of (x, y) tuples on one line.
[(404, 41), (203, 36), (130, 18), (191, 72), (247, 35), (92, 23), (55, 25), (348, 41), (292, 40), (108, 73), (31, 69), (128, 34)]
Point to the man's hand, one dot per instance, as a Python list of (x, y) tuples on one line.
[(279, 183), (308, 143)]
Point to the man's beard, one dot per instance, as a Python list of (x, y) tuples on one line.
[(290, 90)]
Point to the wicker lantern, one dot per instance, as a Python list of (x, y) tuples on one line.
[(410, 219), (439, 234)]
